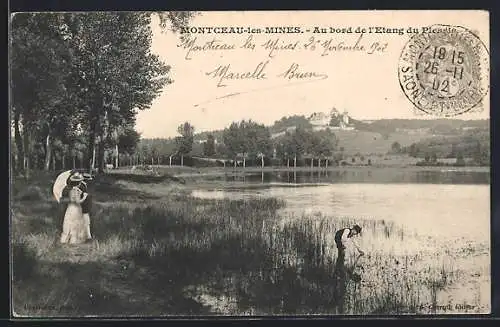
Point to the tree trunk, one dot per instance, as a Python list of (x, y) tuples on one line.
[(54, 161), (287, 163), (170, 160), (74, 161), (326, 164), (262, 160), (117, 154), (295, 162), (100, 157), (182, 160), (26, 153), (92, 165), (312, 162), (89, 156), (63, 164), (48, 152), (244, 162), (19, 144)]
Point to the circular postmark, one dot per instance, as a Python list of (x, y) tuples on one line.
[(444, 70)]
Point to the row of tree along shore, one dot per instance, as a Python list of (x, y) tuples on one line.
[(250, 144)]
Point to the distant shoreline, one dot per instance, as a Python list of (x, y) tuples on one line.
[(185, 171)]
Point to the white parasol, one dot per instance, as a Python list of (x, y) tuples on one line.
[(60, 184)]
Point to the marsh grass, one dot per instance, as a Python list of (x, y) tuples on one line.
[(151, 250)]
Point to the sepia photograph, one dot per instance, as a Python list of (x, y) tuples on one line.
[(249, 163)]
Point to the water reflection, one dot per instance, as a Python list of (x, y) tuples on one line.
[(361, 176)]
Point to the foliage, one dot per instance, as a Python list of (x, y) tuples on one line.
[(77, 79), (474, 144), (446, 126), (128, 141), (395, 147), (296, 121), (302, 143), (247, 138), (209, 146), (184, 142)]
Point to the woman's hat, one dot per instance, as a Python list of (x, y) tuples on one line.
[(76, 177), (357, 228)]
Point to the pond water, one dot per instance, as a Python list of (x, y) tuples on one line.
[(444, 204)]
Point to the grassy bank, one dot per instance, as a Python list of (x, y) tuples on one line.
[(166, 253)]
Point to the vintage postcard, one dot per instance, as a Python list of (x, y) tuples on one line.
[(250, 163)]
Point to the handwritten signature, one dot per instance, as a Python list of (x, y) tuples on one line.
[(293, 76), (294, 72), (224, 73)]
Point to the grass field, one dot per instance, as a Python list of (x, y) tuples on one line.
[(369, 142), (167, 253)]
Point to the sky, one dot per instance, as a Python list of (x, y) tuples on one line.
[(363, 83)]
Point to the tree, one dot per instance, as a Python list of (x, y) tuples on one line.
[(94, 70), (396, 147), (128, 140), (460, 159), (247, 139), (81, 75), (39, 70), (115, 73), (175, 20), (294, 144), (294, 121), (413, 150), (477, 153), (322, 144), (184, 142), (209, 146)]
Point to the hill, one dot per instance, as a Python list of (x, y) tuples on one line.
[(365, 142), (434, 126), (374, 137)]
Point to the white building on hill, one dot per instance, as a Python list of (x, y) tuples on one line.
[(321, 120)]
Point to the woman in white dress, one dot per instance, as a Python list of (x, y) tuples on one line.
[(74, 229)]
